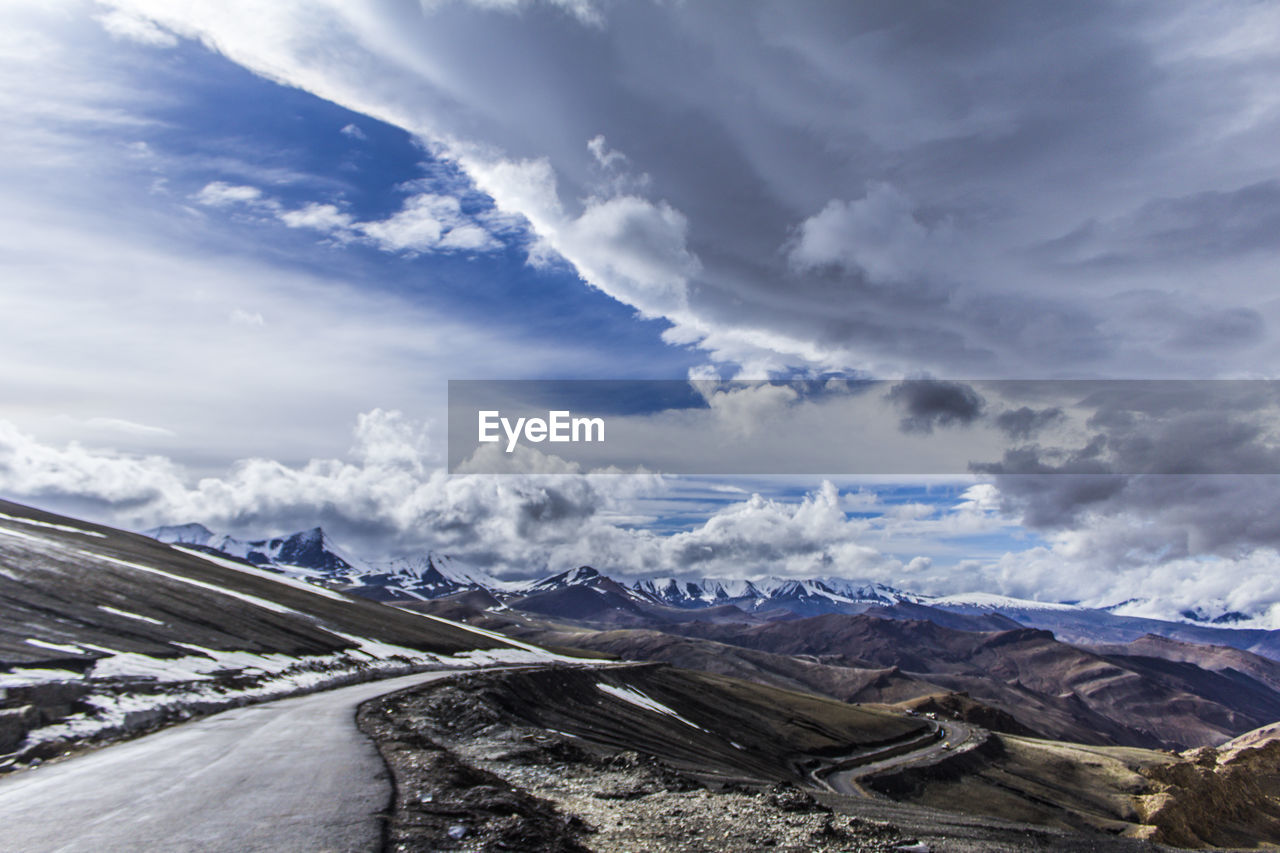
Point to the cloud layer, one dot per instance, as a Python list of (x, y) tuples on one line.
[(1011, 191)]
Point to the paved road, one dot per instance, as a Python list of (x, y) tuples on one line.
[(949, 737), (289, 775)]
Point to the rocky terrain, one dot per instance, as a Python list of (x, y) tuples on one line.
[(474, 773)]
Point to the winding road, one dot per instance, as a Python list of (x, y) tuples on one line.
[(948, 737), (290, 775)]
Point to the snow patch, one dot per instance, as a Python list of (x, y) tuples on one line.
[(242, 596), (56, 647), (24, 677), (263, 573), (50, 526), (494, 635), (118, 612), (635, 697)]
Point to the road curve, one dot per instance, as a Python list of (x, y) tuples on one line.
[(293, 774), (948, 737)]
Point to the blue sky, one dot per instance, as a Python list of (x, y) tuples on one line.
[(214, 114), (245, 246)]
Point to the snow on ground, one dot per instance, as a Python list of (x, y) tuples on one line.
[(17, 534), (245, 597), (546, 656), (28, 677), (55, 647), (262, 573), (63, 527), (118, 612), (175, 685), (635, 697)]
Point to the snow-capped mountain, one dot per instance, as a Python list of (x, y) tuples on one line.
[(706, 592), (797, 594), (423, 578), (581, 576), (313, 556), (985, 602), (1215, 612), (309, 550)]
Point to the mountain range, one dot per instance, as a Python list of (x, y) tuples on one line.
[(313, 556)]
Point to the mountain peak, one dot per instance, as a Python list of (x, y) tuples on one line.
[(191, 533), (581, 576)]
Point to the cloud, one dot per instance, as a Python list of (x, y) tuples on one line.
[(353, 131), (1024, 422), (892, 189), (1205, 226), (630, 247), (425, 222), (388, 498), (121, 24), (878, 236), (319, 217), (858, 188), (126, 426), (241, 317), (931, 403), (429, 222), (222, 194), (587, 12), (1166, 473)]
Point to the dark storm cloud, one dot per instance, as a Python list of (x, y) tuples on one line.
[(1024, 422), (882, 186), (1174, 469), (931, 403), (1203, 226)]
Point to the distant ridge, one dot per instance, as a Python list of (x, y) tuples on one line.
[(312, 555)]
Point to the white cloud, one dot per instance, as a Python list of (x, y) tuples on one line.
[(241, 317), (222, 194), (425, 222), (632, 248), (29, 468), (319, 217), (123, 24), (354, 132), (878, 235), (126, 426), (587, 12), (429, 222), (390, 497)]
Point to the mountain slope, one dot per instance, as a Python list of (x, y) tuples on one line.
[(1060, 690), (102, 630)]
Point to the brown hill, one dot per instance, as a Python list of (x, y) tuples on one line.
[(1063, 691)]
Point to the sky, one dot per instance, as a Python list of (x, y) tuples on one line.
[(244, 247)]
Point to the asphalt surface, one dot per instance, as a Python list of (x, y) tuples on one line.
[(948, 738), (289, 775)]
